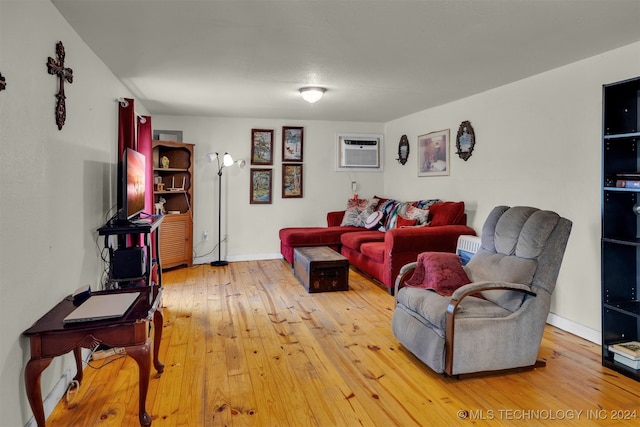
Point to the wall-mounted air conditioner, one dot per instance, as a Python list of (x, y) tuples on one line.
[(359, 152)]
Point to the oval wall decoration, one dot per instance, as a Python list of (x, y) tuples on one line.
[(465, 141), (403, 150)]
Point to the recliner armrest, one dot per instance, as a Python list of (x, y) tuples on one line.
[(402, 277), (475, 287)]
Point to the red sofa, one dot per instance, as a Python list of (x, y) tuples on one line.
[(381, 254)]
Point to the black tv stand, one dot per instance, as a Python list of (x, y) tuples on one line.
[(132, 235)]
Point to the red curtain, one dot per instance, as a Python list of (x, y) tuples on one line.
[(126, 127), (145, 147), (135, 132)]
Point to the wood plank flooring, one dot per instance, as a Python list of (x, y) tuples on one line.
[(246, 345)]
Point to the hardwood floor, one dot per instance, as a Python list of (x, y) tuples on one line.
[(245, 345)]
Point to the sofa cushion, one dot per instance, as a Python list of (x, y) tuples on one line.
[(420, 215), (440, 271), (392, 208), (356, 239), (373, 220), (446, 213), (358, 210), (392, 218), (313, 236), (405, 222), (373, 250)]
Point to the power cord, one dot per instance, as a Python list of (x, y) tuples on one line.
[(74, 386)]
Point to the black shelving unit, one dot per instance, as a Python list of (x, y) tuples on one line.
[(139, 236), (620, 220)]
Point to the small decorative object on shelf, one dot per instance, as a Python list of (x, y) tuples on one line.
[(57, 68), (159, 205), (629, 349), (165, 162)]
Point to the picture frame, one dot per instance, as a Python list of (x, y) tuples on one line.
[(465, 140), (433, 153), (262, 146), (292, 178), (260, 186), (292, 142)]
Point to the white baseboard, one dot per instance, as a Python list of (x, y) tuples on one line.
[(236, 258), (575, 328), (59, 390)]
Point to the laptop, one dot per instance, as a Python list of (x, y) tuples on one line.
[(101, 307)]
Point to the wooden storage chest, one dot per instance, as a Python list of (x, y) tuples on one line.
[(321, 269)]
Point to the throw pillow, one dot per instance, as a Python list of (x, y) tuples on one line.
[(420, 215), (446, 213), (373, 220), (405, 222), (358, 210), (440, 271), (392, 217)]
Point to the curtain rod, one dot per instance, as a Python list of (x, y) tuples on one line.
[(124, 104)]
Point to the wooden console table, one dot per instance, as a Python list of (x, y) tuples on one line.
[(49, 338)]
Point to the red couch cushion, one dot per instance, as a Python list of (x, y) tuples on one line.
[(313, 236), (373, 250), (355, 240), (446, 213)]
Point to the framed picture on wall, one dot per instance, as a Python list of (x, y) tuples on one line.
[(292, 139), (261, 146), (291, 181), (261, 184), (433, 153)]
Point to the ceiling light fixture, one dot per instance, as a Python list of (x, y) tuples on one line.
[(312, 94)]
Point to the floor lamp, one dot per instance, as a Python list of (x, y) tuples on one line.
[(227, 160)]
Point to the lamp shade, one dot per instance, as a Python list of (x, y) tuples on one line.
[(227, 160), (312, 94)]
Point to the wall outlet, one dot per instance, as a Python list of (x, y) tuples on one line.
[(205, 235)]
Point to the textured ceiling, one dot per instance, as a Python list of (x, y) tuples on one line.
[(379, 60)]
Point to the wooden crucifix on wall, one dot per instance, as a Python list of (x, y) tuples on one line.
[(57, 68)]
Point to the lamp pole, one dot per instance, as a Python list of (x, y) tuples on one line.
[(227, 160)]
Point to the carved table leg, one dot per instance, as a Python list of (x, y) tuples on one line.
[(158, 320), (32, 382), (140, 353), (77, 353)]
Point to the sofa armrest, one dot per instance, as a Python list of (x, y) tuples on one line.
[(334, 219), (402, 245), (425, 239)]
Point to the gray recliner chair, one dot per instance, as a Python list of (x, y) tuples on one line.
[(496, 322)]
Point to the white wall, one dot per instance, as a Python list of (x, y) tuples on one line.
[(538, 143), (252, 229), (56, 186)]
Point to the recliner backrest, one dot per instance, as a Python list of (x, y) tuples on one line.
[(512, 244)]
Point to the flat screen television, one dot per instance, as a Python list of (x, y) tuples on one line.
[(131, 196)]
